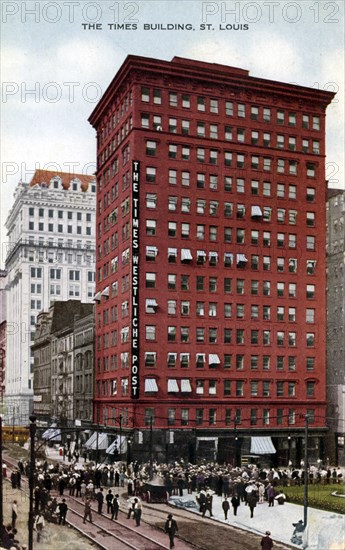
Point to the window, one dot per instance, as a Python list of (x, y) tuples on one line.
[(200, 386), (311, 219), (172, 151), (184, 282), (150, 280), (292, 119), (254, 113), (239, 388), (145, 94), (214, 131), (151, 227), (185, 205), (266, 362), (185, 127), (213, 156), (172, 177), (200, 282), (199, 416), (239, 336), (201, 104), (292, 363), (316, 123), (151, 148), (266, 337), (310, 316), (240, 160), (229, 108), (150, 332), (280, 117), (310, 363), (267, 114), (241, 110), (292, 314), (240, 135), (292, 240), (186, 101), (311, 169), (254, 336), (172, 229), (266, 313), (212, 387), (150, 174), (185, 153), (292, 339), (228, 133), (173, 99), (291, 389), (310, 242), (310, 291), (173, 125), (310, 194), (292, 290), (184, 417), (185, 228)]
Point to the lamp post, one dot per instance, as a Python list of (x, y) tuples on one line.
[(305, 498), (32, 428), (129, 443)]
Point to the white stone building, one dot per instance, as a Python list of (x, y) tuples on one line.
[(50, 256)]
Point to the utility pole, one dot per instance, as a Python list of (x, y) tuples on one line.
[(13, 409), (97, 435), (120, 446), (151, 447), (305, 498), (32, 427)]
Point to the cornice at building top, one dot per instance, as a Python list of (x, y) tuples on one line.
[(229, 80)]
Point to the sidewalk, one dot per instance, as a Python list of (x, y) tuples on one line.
[(325, 530)]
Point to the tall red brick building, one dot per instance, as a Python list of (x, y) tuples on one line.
[(211, 275)]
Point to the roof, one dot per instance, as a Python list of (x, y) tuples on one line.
[(235, 79), (46, 176), (334, 192), (65, 312)]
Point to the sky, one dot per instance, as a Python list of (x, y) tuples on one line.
[(58, 58)]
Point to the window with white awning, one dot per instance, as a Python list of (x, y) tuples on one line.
[(213, 359), (151, 385), (186, 255), (186, 385), (172, 385)]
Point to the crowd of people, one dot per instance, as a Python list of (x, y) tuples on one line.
[(102, 483)]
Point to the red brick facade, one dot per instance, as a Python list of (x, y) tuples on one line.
[(231, 266)]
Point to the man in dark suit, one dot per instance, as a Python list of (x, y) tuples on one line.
[(171, 528)]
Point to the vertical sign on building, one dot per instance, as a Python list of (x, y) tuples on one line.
[(135, 280)]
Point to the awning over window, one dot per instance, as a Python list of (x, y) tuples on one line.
[(240, 259), (92, 443), (172, 252), (256, 211), (151, 385), (186, 254), (213, 359), (151, 302), (52, 434), (201, 253), (97, 297), (105, 292), (228, 256), (262, 446), (185, 386), (172, 386), (116, 445), (151, 251), (213, 255)]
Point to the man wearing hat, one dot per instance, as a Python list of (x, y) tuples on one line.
[(266, 541), (171, 528)]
